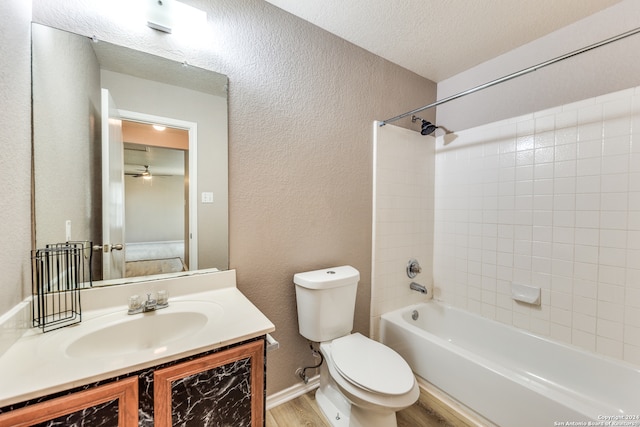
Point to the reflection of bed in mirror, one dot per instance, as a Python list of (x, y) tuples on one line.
[(147, 258), (156, 193)]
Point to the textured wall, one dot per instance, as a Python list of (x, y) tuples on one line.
[(301, 164), (15, 160), (301, 106)]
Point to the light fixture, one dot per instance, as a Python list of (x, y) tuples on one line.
[(170, 15), (160, 15), (159, 128)]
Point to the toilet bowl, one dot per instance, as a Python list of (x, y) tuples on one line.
[(363, 383)]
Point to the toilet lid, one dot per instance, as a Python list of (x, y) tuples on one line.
[(371, 365)]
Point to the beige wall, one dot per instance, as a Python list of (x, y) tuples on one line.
[(301, 106)]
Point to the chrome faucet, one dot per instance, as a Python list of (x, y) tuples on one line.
[(151, 304), (418, 287)]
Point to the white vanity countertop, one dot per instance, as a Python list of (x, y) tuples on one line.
[(39, 364)]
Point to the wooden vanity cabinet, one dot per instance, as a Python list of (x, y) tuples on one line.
[(220, 388), (225, 388), (114, 404)]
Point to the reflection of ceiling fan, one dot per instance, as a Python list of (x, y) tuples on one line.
[(142, 173), (146, 174)]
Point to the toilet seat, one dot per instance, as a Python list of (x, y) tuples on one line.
[(371, 365)]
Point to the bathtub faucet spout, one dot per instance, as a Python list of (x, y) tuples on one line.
[(418, 287)]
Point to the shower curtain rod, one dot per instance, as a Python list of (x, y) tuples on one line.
[(516, 74)]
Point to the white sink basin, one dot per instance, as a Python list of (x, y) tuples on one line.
[(119, 334)]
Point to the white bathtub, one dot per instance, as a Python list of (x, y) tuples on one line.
[(511, 377)]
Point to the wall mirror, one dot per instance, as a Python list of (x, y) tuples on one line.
[(130, 158)]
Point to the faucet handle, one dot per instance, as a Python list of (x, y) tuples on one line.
[(413, 268), (134, 303), (162, 297)]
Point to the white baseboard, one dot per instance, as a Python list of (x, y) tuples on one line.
[(292, 392)]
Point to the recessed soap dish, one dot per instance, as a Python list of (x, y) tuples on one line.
[(525, 293)]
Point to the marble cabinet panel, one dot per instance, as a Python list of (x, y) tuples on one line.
[(223, 389), (113, 404)]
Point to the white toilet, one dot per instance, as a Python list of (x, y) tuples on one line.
[(362, 382)]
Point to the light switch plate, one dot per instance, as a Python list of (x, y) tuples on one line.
[(207, 197)]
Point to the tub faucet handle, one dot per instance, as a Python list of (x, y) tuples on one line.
[(413, 268)]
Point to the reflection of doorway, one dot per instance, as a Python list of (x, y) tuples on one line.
[(154, 194), (159, 221)]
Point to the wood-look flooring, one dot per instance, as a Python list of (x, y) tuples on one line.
[(304, 411)]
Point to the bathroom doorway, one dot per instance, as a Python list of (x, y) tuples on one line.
[(160, 224)]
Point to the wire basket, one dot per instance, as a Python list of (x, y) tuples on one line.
[(58, 273)]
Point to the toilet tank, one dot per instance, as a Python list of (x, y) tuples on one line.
[(326, 302)]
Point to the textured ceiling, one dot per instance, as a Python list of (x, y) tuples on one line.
[(438, 39)]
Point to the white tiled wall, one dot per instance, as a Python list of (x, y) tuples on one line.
[(403, 217), (550, 199)]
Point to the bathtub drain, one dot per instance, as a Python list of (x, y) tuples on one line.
[(415, 315)]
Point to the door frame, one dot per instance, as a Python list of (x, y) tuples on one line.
[(113, 263), (192, 128)]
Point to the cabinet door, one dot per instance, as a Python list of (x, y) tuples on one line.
[(222, 389), (113, 404)]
